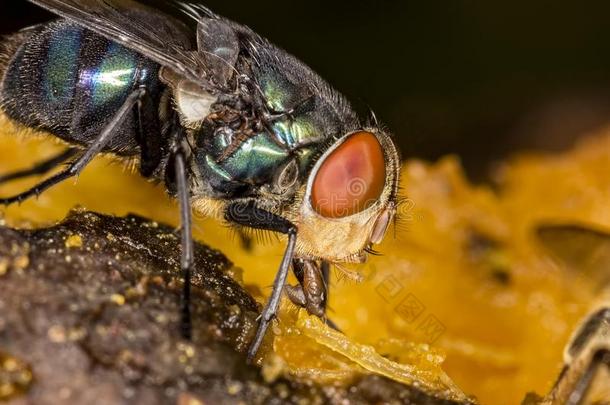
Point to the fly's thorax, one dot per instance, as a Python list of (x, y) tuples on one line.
[(258, 167), (349, 198), (238, 155), (260, 135)]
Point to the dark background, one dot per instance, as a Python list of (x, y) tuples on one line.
[(476, 78)]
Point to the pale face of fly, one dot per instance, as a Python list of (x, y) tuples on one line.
[(349, 199)]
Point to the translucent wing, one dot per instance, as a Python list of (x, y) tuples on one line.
[(582, 249), (157, 35)]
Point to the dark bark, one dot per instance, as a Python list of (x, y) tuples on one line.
[(89, 313)]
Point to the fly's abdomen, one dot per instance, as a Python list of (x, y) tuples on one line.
[(70, 81)]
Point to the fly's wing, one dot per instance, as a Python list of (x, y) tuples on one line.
[(154, 34), (580, 248), (219, 47)]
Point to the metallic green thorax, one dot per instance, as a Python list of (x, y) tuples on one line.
[(262, 156), (294, 137)]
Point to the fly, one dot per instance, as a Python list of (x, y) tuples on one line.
[(235, 128)]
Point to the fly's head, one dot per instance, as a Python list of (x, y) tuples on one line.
[(349, 199)]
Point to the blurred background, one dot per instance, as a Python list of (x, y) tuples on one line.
[(476, 78)]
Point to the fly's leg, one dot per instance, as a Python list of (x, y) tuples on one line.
[(79, 164), (601, 358), (587, 354), (40, 167), (325, 269), (247, 214), (296, 293), (178, 155), (148, 135)]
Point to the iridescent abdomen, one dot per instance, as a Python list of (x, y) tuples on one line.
[(70, 81)]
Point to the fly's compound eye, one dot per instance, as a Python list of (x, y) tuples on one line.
[(351, 178)]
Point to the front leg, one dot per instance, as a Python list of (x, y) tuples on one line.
[(106, 136), (587, 355), (179, 154), (148, 135), (248, 214)]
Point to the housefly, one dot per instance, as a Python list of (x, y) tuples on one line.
[(235, 128)]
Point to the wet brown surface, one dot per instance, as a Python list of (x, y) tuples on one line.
[(89, 313)]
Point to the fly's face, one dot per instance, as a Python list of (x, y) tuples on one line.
[(350, 198)]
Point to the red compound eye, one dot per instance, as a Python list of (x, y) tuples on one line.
[(351, 178)]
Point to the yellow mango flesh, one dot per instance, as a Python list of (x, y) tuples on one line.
[(463, 292)]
